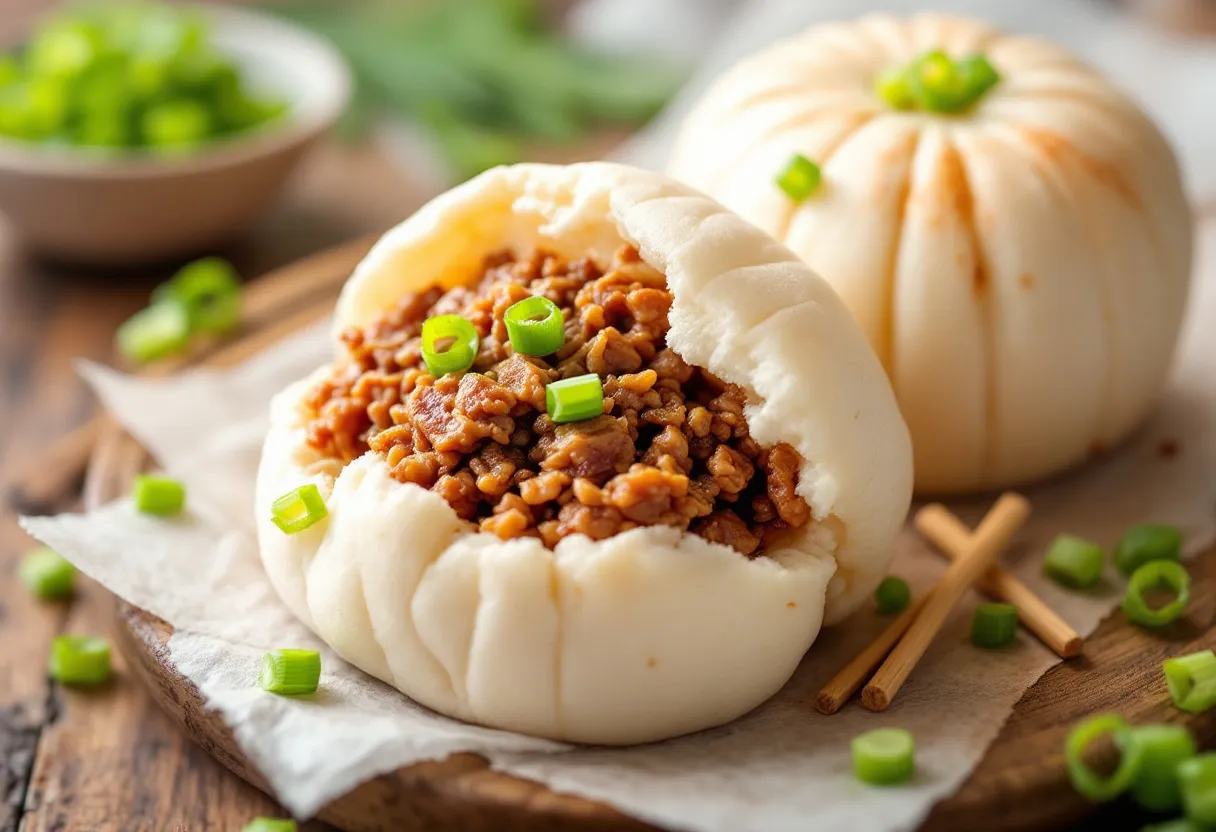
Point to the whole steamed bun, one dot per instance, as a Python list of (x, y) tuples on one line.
[(654, 632), (1020, 268)]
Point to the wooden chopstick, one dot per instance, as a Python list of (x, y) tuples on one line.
[(940, 526), (844, 684), (991, 536)]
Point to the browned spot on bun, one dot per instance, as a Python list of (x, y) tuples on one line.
[(1026, 281), (791, 604), (652, 662), (1063, 152)]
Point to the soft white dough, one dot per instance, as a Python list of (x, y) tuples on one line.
[(1021, 269), (652, 633)]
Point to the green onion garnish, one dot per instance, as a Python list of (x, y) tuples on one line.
[(575, 399), (1143, 544), (1191, 681), (1197, 777), (994, 625), (161, 496), (1162, 748), (46, 574), (290, 672), (1157, 575), (80, 660), (884, 757), (210, 291), (161, 330), (936, 83), (449, 344), (299, 509), (270, 825), (893, 595), (534, 326), (1084, 779), (800, 178), (1074, 562), (978, 75), (894, 88)]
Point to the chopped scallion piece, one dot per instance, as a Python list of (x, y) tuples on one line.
[(994, 625), (161, 496), (1162, 748), (1074, 562), (1177, 825), (893, 595), (937, 84), (534, 326), (299, 509), (161, 330), (1147, 543), (46, 574), (270, 825), (575, 399), (1197, 778), (210, 292), (1191, 681), (290, 672), (800, 178), (449, 344), (884, 757), (1157, 575), (1084, 779), (979, 76), (893, 87), (80, 660)]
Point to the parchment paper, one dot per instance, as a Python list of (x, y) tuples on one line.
[(783, 767)]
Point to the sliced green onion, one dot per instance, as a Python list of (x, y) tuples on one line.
[(270, 825), (290, 672), (210, 291), (161, 496), (884, 757), (1157, 575), (1197, 778), (534, 326), (1147, 543), (937, 84), (161, 330), (47, 574), (978, 75), (893, 595), (800, 178), (1084, 779), (894, 88), (994, 625), (299, 509), (449, 344), (1162, 748), (1177, 825), (176, 125), (1191, 681), (80, 660), (575, 399), (1074, 562)]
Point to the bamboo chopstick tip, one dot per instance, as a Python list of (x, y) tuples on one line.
[(874, 698), (1072, 647), (827, 703)]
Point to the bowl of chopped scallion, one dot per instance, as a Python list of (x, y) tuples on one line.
[(139, 131)]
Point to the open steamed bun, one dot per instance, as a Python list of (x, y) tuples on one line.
[(652, 632)]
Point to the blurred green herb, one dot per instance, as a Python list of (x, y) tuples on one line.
[(482, 76)]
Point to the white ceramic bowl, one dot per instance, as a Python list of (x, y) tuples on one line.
[(74, 204)]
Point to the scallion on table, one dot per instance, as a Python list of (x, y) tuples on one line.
[(47, 574), (290, 672), (1191, 681)]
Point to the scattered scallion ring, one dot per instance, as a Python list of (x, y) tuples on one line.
[(979, 76), (1162, 748), (449, 344), (290, 672), (534, 326), (299, 509), (893, 595), (575, 399), (210, 291), (1197, 778), (1144, 544), (994, 625), (46, 574), (80, 660), (161, 496), (270, 825), (800, 178), (936, 83), (893, 87), (1084, 779), (161, 330), (1157, 575), (1191, 681), (884, 757), (1074, 562)]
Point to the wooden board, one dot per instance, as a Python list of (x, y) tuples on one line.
[(1020, 784)]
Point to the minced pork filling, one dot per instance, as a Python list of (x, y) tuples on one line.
[(671, 448)]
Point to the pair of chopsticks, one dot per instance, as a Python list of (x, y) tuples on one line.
[(905, 640)]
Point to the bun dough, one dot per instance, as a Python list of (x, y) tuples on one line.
[(654, 632), (1020, 269)]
